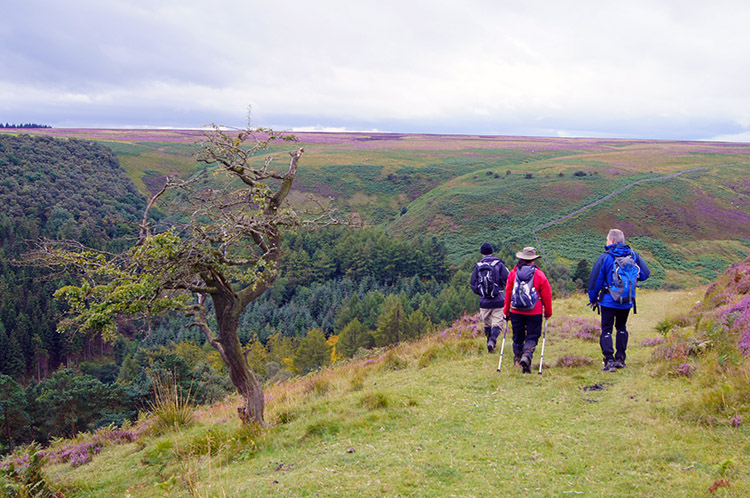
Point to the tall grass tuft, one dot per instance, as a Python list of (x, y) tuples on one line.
[(374, 401), (357, 381), (393, 362), (171, 408)]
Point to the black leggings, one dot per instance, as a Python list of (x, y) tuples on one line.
[(614, 318)]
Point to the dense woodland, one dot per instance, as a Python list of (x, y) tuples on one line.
[(24, 125), (340, 290)]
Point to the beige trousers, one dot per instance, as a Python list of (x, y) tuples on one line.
[(491, 317)]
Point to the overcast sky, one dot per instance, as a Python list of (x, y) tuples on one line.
[(624, 69)]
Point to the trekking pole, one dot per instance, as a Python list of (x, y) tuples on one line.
[(544, 339), (502, 347)]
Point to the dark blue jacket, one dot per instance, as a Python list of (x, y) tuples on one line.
[(501, 277), (601, 275)]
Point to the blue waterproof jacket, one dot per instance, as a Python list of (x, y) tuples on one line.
[(601, 275), (501, 277)]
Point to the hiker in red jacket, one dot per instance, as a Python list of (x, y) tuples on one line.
[(527, 295)]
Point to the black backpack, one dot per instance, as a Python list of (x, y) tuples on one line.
[(524, 296), (488, 273)]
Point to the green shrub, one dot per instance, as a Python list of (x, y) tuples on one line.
[(282, 375), (158, 454), (23, 477), (209, 440), (670, 323)]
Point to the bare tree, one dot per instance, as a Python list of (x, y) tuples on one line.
[(225, 247)]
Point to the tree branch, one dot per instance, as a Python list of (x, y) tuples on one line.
[(288, 179), (198, 313)]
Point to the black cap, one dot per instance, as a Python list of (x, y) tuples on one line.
[(486, 249)]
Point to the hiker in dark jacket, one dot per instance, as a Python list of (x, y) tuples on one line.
[(527, 322), (614, 307), (491, 291)]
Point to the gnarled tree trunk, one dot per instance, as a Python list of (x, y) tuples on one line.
[(228, 311)]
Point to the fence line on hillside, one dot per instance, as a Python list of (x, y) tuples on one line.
[(599, 201)]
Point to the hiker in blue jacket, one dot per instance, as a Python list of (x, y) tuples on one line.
[(612, 288), (488, 281)]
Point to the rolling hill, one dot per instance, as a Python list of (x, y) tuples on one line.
[(684, 205)]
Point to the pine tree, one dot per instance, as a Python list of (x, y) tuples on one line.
[(41, 356), (312, 353), (322, 266), (15, 364), (351, 310), (23, 333), (353, 337), (281, 349), (417, 325), (13, 416), (129, 371), (392, 323), (4, 349), (372, 304), (581, 274)]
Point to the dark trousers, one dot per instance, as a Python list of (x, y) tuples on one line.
[(617, 319), (527, 329)]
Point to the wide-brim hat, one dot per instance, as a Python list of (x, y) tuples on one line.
[(528, 254)]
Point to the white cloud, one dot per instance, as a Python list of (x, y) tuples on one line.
[(736, 137)]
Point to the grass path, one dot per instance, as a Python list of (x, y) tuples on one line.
[(455, 427)]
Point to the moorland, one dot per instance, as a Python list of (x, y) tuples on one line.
[(429, 417)]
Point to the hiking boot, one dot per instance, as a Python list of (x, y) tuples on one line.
[(619, 364), (490, 346), (517, 362), (609, 366), (525, 364)]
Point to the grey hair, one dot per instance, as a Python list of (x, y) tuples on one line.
[(616, 236)]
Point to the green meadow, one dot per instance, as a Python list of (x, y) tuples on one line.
[(435, 418)]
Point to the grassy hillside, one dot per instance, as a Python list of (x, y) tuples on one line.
[(434, 418), (469, 189)]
